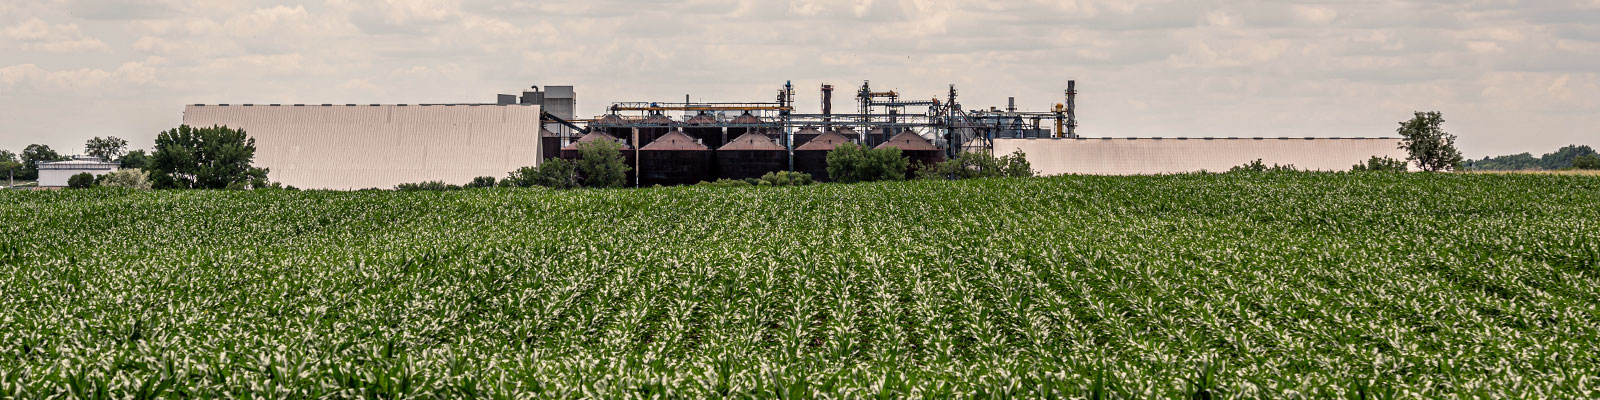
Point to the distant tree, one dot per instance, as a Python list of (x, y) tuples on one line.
[(1427, 144), (1590, 161), (136, 159), (205, 158), (785, 178), (429, 186), (10, 165), (109, 148), (32, 156), (1565, 157), (82, 180), (481, 182), (978, 165), (600, 164), (1380, 164), (127, 178), (851, 163)]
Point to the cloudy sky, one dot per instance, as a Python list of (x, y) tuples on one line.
[(1510, 76)]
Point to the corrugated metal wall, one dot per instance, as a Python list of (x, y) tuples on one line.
[(1145, 156), (380, 146)]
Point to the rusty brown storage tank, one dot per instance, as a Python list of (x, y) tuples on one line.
[(913, 146), (674, 159), (649, 133), (611, 124), (549, 144), (570, 152), (704, 127), (751, 156), (812, 157), (805, 135), (744, 119)]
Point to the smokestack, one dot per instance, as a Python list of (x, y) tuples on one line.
[(1072, 109), (1011, 104), (827, 107)]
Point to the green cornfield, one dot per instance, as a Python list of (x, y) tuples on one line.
[(1277, 285)]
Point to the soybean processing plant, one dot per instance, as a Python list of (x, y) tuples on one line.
[(355, 146)]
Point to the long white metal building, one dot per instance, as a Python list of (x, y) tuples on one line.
[(351, 146), (1149, 156)]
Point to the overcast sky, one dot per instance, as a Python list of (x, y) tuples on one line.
[(1510, 76)]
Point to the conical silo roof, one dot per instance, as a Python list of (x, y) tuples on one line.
[(907, 141), (675, 140), (825, 142), (751, 142)]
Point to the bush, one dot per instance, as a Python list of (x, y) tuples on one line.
[(429, 186), (851, 163), (1258, 166), (481, 182), (126, 178), (1380, 164), (786, 178), (600, 164), (725, 183), (1586, 162), (553, 173), (82, 180), (979, 165)]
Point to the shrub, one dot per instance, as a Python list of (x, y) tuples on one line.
[(786, 178), (1380, 164), (1258, 166), (725, 183), (82, 180), (126, 178), (600, 164), (481, 182), (429, 186), (979, 165), (553, 173), (851, 163)]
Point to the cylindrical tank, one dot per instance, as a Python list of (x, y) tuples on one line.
[(812, 157), (805, 135), (743, 119), (703, 127), (913, 146), (674, 159), (751, 156), (549, 144), (649, 133)]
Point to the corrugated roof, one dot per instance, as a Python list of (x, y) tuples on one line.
[(674, 141), (751, 142), (825, 142), (907, 141)]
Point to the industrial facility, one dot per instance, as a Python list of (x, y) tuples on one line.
[(354, 146)]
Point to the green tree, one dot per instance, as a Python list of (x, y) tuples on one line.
[(32, 156), (82, 180), (851, 163), (1427, 144), (785, 178), (205, 158), (10, 165), (979, 165), (600, 164), (109, 148), (1380, 164), (126, 178), (136, 159), (1590, 161)]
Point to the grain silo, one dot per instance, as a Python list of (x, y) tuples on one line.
[(703, 127), (549, 144), (805, 135), (913, 146), (743, 119), (674, 159), (812, 157), (656, 125), (751, 156)]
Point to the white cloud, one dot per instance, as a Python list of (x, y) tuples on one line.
[(37, 35)]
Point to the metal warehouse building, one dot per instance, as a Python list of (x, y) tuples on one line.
[(379, 146), (1148, 156)]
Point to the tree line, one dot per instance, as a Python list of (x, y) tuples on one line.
[(185, 157)]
